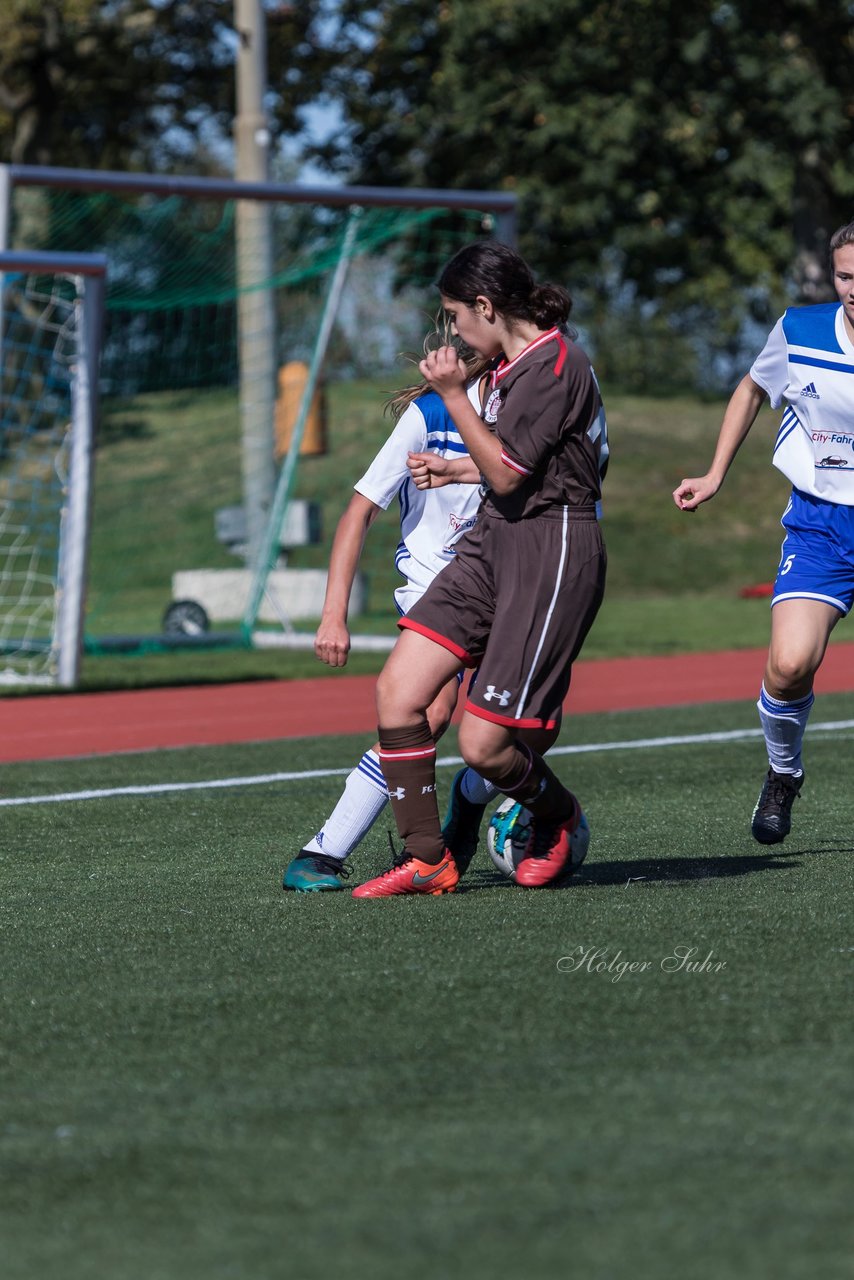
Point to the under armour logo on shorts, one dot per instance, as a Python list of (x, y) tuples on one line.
[(492, 692)]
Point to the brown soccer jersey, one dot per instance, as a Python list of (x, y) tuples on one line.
[(541, 406)]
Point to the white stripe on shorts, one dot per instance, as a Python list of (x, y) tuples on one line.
[(810, 595), (563, 551)]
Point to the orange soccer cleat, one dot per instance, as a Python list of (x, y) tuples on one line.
[(409, 874), (552, 850)]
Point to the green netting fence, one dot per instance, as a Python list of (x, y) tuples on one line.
[(171, 459)]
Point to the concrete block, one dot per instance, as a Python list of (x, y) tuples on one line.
[(223, 593)]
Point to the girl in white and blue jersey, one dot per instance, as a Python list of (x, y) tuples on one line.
[(431, 522), (807, 368)]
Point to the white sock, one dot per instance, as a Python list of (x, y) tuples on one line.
[(783, 724), (477, 789), (364, 797)]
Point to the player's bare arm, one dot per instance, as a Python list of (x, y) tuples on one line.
[(332, 640), (446, 373), (740, 415), (432, 471)]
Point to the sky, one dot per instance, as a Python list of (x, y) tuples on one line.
[(321, 122)]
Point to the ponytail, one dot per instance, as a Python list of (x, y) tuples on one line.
[(550, 305)]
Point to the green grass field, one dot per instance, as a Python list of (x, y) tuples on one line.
[(204, 1078)]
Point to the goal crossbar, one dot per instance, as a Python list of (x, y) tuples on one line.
[(501, 203)]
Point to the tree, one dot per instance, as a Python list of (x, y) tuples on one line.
[(684, 158), (134, 84)]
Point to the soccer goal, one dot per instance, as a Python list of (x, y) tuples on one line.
[(51, 308), (216, 492)]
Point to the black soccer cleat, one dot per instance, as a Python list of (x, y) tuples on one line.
[(772, 817)]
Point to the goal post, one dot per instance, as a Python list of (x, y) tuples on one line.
[(51, 316), (269, 550)]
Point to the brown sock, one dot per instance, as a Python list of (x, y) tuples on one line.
[(530, 781), (408, 759)]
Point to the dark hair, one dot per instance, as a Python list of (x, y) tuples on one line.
[(841, 237), (492, 270)]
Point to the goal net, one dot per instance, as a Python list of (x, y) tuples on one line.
[(50, 316), (197, 422)]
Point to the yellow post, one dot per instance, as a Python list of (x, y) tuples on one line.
[(292, 379)]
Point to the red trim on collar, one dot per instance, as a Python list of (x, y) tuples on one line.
[(506, 365)]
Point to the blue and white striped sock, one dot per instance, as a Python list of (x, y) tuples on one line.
[(783, 724), (477, 789), (364, 797)]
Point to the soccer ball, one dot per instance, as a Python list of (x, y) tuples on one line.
[(509, 831)]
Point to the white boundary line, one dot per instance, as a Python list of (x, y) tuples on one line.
[(447, 762)]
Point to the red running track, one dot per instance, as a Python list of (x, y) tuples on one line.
[(71, 725)]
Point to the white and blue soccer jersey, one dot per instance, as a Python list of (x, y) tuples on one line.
[(431, 520), (807, 365)]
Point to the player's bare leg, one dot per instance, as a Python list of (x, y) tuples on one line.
[(800, 630)]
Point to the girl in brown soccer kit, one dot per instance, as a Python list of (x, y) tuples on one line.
[(527, 581)]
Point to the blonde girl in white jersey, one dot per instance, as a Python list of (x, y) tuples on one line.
[(807, 368)]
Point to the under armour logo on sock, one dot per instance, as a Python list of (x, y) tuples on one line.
[(492, 692), (398, 794)]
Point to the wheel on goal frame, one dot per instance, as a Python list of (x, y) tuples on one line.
[(185, 618)]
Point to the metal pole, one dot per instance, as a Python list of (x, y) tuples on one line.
[(5, 222), (28, 175), (270, 545), (256, 314), (77, 506), (506, 226), (5, 206)]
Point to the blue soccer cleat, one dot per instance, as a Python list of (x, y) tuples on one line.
[(315, 873)]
